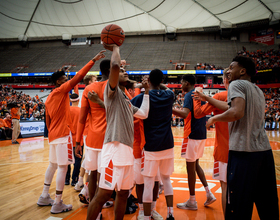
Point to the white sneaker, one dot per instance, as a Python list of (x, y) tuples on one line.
[(84, 195), (45, 201), (187, 205), (210, 199), (60, 207), (155, 215), (140, 215), (108, 204), (79, 187)]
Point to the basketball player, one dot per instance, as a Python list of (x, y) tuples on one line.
[(251, 170), (158, 150), (96, 131), (117, 153), (59, 124), (88, 79), (221, 138), (75, 113), (193, 145)]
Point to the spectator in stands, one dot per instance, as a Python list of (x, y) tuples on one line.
[(15, 111), (263, 59), (5, 131)]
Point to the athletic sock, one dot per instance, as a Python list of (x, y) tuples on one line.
[(141, 208), (57, 198), (192, 198), (81, 180), (45, 191), (153, 205), (207, 190), (169, 211)]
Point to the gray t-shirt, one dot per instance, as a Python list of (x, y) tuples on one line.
[(119, 116), (248, 134)]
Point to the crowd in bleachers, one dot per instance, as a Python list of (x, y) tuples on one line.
[(207, 66), (31, 108), (263, 59), (272, 108)]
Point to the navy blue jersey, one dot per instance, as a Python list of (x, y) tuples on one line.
[(157, 127), (198, 128)]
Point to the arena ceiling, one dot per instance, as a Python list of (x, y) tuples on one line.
[(61, 19)]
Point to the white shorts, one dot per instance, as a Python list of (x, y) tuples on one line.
[(220, 171), (119, 177), (154, 167), (138, 177), (62, 154), (192, 149), (92, 159)]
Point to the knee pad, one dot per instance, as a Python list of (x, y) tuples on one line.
[(168, 189), (148, 189)]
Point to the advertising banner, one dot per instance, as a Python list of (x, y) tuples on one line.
[(32, 128), (265, 36)]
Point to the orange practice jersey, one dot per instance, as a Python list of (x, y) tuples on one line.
[(139, 136), (58, 106), (221, 146), (97, 117), (75, 113)]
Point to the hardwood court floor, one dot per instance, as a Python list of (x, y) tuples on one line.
[(22, 170)]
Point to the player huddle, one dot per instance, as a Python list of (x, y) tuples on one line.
[(129, 141)]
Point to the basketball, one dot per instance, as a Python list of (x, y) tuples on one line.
[(112, 34)]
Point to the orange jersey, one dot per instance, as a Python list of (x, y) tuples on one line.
[(14, 113), (75, 113), (3, 123), (8, 122), (96, 115), (139, 138), (57, 106), (221, 146)]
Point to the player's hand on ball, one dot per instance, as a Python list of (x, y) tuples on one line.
[(109, 46)]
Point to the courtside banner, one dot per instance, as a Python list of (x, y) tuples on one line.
[(32, 128), (5, 74), (180, 72)]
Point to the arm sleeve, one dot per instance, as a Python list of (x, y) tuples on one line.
[(143, 111), (201, 110)]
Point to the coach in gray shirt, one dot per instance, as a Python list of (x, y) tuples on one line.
[(251, 170)]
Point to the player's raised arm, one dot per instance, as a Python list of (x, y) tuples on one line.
[(80, 75), (115, 64)]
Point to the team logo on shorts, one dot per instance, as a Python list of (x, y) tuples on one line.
[(184, 147), (216, 171), (109, 174), (70, 150), (142, 161)]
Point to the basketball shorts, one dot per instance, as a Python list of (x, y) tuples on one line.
[(220, 171), (62, 153), (192, 149), (92, 159), (155, 167), (116, 177), (138, 177)]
